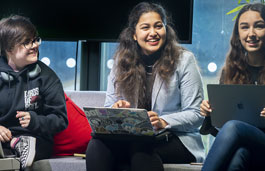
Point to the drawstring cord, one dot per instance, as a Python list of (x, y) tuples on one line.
[(27, 85), (27, 80), (9, 83)]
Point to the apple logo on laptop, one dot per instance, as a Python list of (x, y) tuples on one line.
[(240, 106)]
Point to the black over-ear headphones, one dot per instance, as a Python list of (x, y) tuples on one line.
[(32, 74)]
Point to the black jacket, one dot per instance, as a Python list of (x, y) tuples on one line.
[(42, 96)]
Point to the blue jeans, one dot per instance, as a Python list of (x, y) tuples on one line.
[(238, 146)]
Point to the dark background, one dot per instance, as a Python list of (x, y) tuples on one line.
[(97, 20)]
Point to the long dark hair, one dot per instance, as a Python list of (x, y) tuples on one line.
[(14, 30), (130, 71), (236, 66)]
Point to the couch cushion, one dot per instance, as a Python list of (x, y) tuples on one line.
[(87, 98), (75, 137), (79, 164), (60, 164), (182, 167)]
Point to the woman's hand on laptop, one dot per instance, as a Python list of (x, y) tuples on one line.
[(262, 113), (5, 134), (156, 122), (205, 108), (122, 104)]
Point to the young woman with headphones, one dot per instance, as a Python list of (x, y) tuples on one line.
[(32, 105)]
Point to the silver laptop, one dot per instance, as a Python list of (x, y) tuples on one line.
[(121, 123), (237, 102)]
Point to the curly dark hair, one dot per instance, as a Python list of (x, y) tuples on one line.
[(130, 71), (236, 66)]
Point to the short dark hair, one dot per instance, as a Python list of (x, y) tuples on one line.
[(14, 30)]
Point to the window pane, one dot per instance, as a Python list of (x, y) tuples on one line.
[(107, 52), (212, 30), (61, 57)]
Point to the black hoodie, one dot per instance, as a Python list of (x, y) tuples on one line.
[(42, 96)]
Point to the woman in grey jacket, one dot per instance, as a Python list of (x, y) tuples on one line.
[(153, 72)]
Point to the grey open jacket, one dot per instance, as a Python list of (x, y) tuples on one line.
[(178, 103)]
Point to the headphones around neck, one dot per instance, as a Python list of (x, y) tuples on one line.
[(31, 74)]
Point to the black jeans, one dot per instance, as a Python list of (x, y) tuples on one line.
[(135, 156)]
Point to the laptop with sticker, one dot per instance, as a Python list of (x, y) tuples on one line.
[(236, 102), (122, 124)]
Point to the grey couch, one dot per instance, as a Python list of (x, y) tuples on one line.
[(90, 98)]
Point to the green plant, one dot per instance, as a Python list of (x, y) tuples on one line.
[(241, 4)]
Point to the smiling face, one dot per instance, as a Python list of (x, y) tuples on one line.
[(19, 56), (150, 33), (251, 29)]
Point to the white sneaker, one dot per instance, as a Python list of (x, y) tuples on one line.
[(25, 146)]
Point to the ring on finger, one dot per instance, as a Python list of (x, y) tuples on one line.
[(22, 118)]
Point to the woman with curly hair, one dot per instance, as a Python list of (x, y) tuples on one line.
[(152, 71), (238, 145)]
